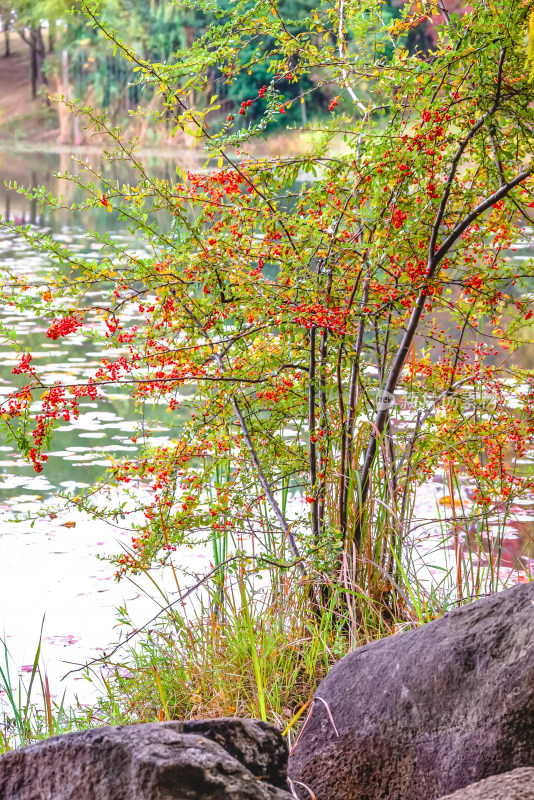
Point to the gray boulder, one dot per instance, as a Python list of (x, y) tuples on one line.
[(161, 761), (421, 714), (515, 785)]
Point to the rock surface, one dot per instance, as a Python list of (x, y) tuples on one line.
[(161, 761), (515, 785), (257, 745), (424, 713)]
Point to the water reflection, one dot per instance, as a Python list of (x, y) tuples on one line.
[(49, 565), (81, 448), (32, 169)]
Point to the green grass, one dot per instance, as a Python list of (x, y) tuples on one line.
[(23, 719), (262, 656)]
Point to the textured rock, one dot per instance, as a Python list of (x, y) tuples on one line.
[(515, 785), (162, 761), (257, 745), (426, 712)]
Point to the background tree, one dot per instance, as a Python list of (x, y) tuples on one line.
[(30, 20), (86, 67), (6, 21)]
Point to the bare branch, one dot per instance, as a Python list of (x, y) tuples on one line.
[(266, 487)]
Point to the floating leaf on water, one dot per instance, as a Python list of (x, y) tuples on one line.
[(447, 501)]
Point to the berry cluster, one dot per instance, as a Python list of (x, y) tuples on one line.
[(64, 326), (24, 366), (398, 217), (335, 319), (244, 106)]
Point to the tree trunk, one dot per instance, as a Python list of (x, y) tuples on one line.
[(41, 55), (34, 63), (7, 43)]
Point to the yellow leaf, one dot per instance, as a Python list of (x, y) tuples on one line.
[(447, 501)]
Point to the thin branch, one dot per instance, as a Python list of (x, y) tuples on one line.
[(444, 10), (456, 160), (180, 599), (266, 487), (311, 429), (341, 44), (398, 362)]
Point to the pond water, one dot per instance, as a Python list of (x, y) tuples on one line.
[(49, 566)]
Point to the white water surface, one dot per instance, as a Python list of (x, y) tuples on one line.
[(49, 565)]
